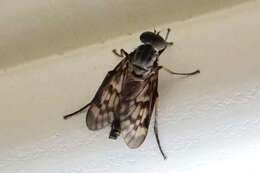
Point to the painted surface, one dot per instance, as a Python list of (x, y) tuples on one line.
[(37, 29), (207, 123)]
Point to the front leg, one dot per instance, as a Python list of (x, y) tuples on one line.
[(122, 53), (167, 34)]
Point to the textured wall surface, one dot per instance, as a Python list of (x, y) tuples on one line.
[(207, 123)]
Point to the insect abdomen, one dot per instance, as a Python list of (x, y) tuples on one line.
[(115, 129)]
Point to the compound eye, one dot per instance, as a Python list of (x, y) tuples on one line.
[(147, 37)]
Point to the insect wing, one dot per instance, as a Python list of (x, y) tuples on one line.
[(102, 108), (135, 112)]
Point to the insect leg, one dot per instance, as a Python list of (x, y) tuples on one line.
[(122, 54), (167, 35), (76, 112), (156, 130), (172, 72)]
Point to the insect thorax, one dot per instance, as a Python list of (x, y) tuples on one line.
[(144, 59)]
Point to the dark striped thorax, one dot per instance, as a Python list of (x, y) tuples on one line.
[(143, 60)]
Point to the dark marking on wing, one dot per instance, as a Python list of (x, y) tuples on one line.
[(102, 108), (135, 111)]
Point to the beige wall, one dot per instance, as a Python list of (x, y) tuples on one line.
[(36, 29), (208, 123)]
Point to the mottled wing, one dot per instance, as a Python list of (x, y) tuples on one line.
[(135, 111), (102, 107)]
